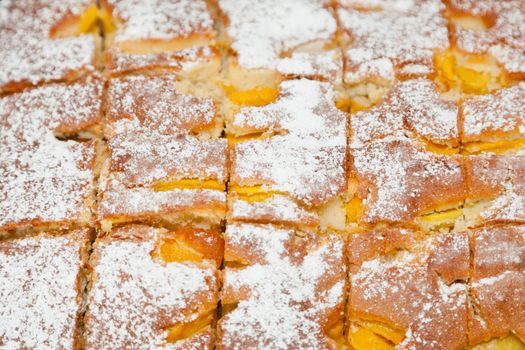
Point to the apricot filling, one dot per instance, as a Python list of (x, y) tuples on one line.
[(191, 184), (497, 147), (471, 74), (365, 335), (189, 329), (354, 209), (89, 19), (232, 140), (258, 96), (253, 193), (175, 250), (440, 149)]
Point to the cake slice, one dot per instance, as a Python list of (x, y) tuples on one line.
[(155, 36), (494, 123), (415, 109), (47, 175), (397, 181), (46, 41), (153, 288), (41, 281), (291, 153), (407, 290), (494, 29), (386, 40), (165, 162), (271, 40), (282, 289), (496, 189), (497, 302)]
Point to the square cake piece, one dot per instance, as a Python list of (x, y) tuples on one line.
[(41, 281), (153, 289), (165, 160), (407, 290), (282, 289), (288, 158), (152, 36), (273, 40), (497, 305), (496, 189), (387, 40), (47, 180), (46, 41)]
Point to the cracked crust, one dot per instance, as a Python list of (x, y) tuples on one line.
[(498, 283), (400, 278)]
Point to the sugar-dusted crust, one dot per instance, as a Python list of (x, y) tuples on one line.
[(306, 159), (399, 180), (138, 160), (413, 108), (417, 284), (134, 296), (394, 41), (41, 280), (29, 52), (154, 104), (504, 39), (294, 38), (498, 283), (494, 116), (276, 209), (46, 180), (501, 180), (290, 287), (174, 35), (118, 63)]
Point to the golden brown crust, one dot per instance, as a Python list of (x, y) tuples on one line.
[(498, 179), (399, 180), (497, 305), (135, 297), (288, 287), (417, 285)]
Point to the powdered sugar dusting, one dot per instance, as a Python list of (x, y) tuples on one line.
[(45, 179), (263, 31), (29, 54), (276, 209), (387, 40), (160, 20), (134, 298), (307, 159), (291, 290), (39, 292), (505, 39), (500, 112), (153, 104), (398, 180), (412, 108)]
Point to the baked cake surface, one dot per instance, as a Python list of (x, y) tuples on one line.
[(41, 281), (284, 289), (37, 46), (236, 174), (139, 293), (45, 180), (157, 168)]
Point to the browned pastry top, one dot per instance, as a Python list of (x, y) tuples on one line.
[(399, 180), (45, 179), (40, 288), (287, 288), (498, 283), (419, 284), (135, 296)]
